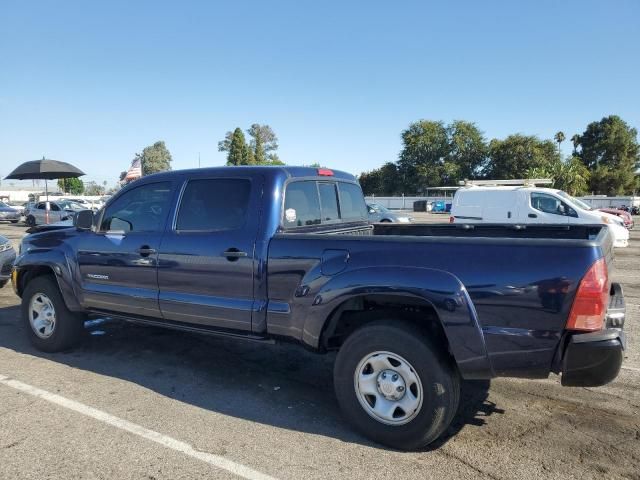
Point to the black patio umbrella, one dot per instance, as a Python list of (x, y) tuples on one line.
[(45, 169)]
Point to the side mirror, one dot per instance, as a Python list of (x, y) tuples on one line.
[(83, 220)]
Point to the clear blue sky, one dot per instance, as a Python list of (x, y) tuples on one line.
[(92, 83)]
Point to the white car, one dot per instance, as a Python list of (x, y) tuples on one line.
[(59, 210), (526, 204)]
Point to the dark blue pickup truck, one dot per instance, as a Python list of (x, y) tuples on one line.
[(287, 253)]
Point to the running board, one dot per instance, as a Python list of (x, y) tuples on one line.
[(187, 328)]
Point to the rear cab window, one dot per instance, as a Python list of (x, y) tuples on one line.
[(319, 202)]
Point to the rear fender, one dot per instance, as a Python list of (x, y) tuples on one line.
[(441, 289)]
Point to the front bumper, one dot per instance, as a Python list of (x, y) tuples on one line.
[(9, 217), (594, 359)]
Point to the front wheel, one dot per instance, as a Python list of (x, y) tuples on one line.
[(30, 221), (396, 386), (50, 325)]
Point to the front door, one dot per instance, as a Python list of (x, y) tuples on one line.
[(118, 262), (206, 262), (545, 208)]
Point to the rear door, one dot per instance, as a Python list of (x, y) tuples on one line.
[(118, 262), (207, 263)]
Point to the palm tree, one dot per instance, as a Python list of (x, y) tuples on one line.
[(559, 137)]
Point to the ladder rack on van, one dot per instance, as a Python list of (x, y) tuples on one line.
[(525, 182)]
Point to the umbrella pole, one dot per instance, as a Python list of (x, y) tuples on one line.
[(47, 207)]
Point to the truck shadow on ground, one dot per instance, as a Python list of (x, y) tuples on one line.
[(280, 385)]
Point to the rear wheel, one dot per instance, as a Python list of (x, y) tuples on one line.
[(50, 325), (395, 386)]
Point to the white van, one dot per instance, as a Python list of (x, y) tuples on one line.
[(526, 204)]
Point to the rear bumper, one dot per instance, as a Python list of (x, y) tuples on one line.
[(594, 359)]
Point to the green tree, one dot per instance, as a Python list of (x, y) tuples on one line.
[(468, 150), (237, 148), (155, 158), (571, 176), (518, 154), (609, 148), (575, 140), (92, 188), (248, 157), (424, 159), (71, 185), (263, 142), (371, 182)]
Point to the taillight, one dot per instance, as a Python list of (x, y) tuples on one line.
[(325, 172), (590, 305), (451, 219)]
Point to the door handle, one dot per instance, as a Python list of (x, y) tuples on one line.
[(234, 254), (145, 251), (533, 215)]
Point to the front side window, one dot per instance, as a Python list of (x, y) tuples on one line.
[(352, 206), (142, 209), (214, 204), (550, 204), (301, 205)]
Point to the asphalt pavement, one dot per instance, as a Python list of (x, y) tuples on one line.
[(145, 403)]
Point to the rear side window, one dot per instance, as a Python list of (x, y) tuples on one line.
[(214, 204), (328, 202), (352, 206), (301, 205)]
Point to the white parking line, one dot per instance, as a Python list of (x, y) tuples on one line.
[(631, 369), (164, 440)]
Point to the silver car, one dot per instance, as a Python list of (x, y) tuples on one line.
[(9, 213), (60, 210), (378, 213)]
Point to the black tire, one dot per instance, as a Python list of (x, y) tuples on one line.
[(68, 327), (385, 220), (438, 375), (3, 283), (14, 221), (30, 221)]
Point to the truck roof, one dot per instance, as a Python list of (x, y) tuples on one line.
[(268, 170)]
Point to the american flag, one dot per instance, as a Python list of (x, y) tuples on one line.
[(135, 170)]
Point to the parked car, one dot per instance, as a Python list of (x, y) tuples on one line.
[(59, 210), (9, 213), (530, 205), (19, 206), (7, 257), (288, 253), (623, 214), (378, 213)]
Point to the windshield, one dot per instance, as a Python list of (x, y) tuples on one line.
[(2, 204), (70, 206), (378, 208), (576, 202)]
